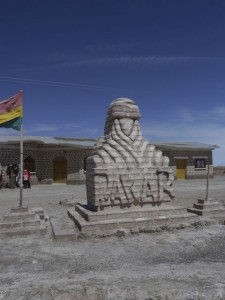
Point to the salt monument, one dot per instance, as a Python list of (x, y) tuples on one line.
[(125, 170), (127, 180)]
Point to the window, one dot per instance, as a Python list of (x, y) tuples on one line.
[(200, 163)]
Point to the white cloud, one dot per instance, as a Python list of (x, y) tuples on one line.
[(8, 132), (219, 112), (138, 60), (125, 60), (50, 128), (40, 128), (69, 62)]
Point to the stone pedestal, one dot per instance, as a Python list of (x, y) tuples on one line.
[(23, 221), (210, 207), (18, 209), (132, 220)]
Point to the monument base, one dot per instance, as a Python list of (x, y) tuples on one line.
[(124, 206), (133, 220), (211, 208)]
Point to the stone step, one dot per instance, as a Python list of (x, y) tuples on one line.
[(11, 217), (20, 223), (42, 229), (129, 213), (208, 201), (17, 209), (208, 206), (139, 223), (208, 212), (23, 222), (60, 232), (38, 211), (76, 218)]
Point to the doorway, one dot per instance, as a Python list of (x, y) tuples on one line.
[(60, 170), (29, 164), (181, 168)]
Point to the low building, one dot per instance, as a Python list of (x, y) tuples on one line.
[(62, 160), (48, 159), (189, 160)]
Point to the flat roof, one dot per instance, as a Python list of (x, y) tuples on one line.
[(184, 145), (50, 140), (89, 142)]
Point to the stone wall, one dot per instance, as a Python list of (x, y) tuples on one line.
[(193, 173), (75, 162), (76, 166), (190, 156), (44, 155), (9, 155)]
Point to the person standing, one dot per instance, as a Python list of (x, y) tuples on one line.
[(25, 179), (28, 181), (17, 174)]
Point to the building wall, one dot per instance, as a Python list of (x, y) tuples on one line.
[(75, 162), (9, 155), (45, 154), (190, 156)]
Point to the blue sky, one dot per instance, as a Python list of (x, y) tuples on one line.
[(72, 58)]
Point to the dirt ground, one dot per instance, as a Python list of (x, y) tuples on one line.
[(167, 265)]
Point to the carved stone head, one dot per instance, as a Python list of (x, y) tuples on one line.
[(126, 111)]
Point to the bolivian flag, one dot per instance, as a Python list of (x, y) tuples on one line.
[(11, 112)]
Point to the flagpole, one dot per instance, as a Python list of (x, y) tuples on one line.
[(21, 164)]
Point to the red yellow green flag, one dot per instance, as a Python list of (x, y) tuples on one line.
[(11, 112)]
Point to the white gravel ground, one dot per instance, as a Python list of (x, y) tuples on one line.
[(168, 265)]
